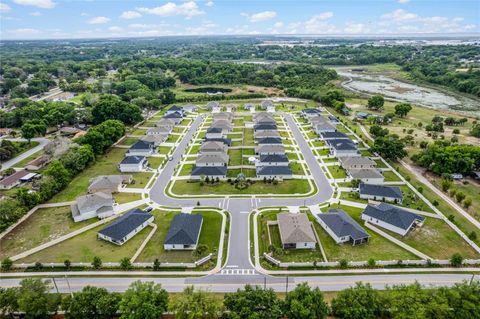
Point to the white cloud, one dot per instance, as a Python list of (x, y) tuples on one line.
[(403, 1), (355, 28), (260, 16), (4, 7), (98, 20), (188, 9), (319, 24), (115, 29), (210, 4), (278, 24), (44, 4), (139, 26), (399, 15), (35, 14), (24, 32), (131, 15)]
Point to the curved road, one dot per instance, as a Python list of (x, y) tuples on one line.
[(239, 208)]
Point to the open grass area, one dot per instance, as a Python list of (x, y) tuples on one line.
[(122, 198), (140, 179), (337, 171), (248, 139), (323, 152), (297, 169), (318, 143), (437, 240), (294, 186), (172, 138), (84, 247), (164, 149), (380, 163), (138, 132), (128, 141), (353, 196), (155, 162), (235, 157), (470, 188), (209, 235), (411, 200), (44, 225), (377, 248), (391, 176), (193, 150), (186, 170)]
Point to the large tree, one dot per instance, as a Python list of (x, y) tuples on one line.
[(195, 305), (305, 303), (390, 147), (402, 109), (35, 299), (253, 303), (359, 302), (143, 300), (376, 102), (111, 107), (91, 303)]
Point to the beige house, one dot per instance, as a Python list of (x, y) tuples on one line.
[(296, 231)]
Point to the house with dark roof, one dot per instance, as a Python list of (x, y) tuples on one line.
[(249, 107), (175, 109), (209, 171), (141, 148), (92, 205), (309, 112), (380, 192), (333, 135), (342, 147), (273, 160), (225, 125), (157, 140), (264, 127), (333, 120), (264, 134), (176, 117), (184, 232), (296, 231), (362, 115), (274, 172), (13, 180), (215, 132), (133, 164), (270, 149), (269, 141), (226, 141), (342, 228), (393, 218), (126, 226), (366, 175), (268, 106)]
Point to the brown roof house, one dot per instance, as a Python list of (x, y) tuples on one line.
[(296, 231), (37, 163)]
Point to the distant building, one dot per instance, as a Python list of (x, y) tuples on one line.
[(189, 108), (362, 115), (250, 107), (175, 109), (13, 180), (184, 232), (92, 205), (37, 163), (342, 228), (296, 231), (393, 218), (268, 106), (126, 226)]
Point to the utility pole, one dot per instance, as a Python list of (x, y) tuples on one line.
[(265, 283), (286, 286), (68, 284), (55, 284)]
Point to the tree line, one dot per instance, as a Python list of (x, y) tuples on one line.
[(147, 300)]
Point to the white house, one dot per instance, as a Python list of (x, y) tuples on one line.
[(92, 205), (366, 175), (393, 218), (214, 132), (133, 164), (342, 228), (184, 232), (141, 148), (274, 172), (381, 193), (126, 226), (212, 159), (296, 231)]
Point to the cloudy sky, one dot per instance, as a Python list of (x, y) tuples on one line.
[(43, 19)]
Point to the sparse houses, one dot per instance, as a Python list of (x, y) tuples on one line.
[(133, 164), (212, 159), (92, 205), (270, 149), (393, 218), (296, 231), (199, 172), (273, 160), (13, 180), (362, 115), (214, 106), (333, 135), (184, 232), (342, 228), (342, 147), (366, 175), (213, 147), (268, 106), (264, 127), (175, 109), (108, 183), (269, 141), (126, 226), (356, 162), (160, 130), (274, 172), (249, 107), (380, 192), (265, 134), (141, 148), (37, 163)]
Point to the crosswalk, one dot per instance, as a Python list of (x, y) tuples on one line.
[(238, 272)]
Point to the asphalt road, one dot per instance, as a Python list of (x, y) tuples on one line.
[(11, 163), (239, 208), (223, 284)]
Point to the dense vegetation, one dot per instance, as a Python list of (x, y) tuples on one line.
[(146, 300)]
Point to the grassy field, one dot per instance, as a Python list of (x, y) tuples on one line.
[(128, 141), (297, 169), (377, 248), (285, 187), (411, 200), (235, 157), (172, 138), (140, 179), (138, 132), (122, 198), (391, 177), (155, 162), (337, 171), (186, 170), (43, 226), (209, 235), (164, 149)]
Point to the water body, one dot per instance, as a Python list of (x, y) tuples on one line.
[(368, 83)]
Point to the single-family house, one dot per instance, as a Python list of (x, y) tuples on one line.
[(333, 120), (215, 132), (269, 140), (126, 226), (274, 172), (391, 217), (212, 159), (226, 141), (141, 148), (175, 109), (342, 147), (175, 117), (264, 120), (342, 228), (214, 106), (231, 107), (268, 106), (133, 164), (296, 231), (108, 183), (226, 116), (92, 205), (356, 162), (309, 112), (265, 134), (249, 107), (273, 160), (362, 115), (209, 171), (264, 127), (13, 180), (366, 175), (269, 149), (213, 147), (184, 232), (323, 127), (189, 108), (37, 163), (224, 125), (333, 135), (380, 192), (157, 140), (160, 130), (165, 122)]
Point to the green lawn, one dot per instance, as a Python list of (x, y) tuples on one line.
[(411, 200), (194, 150), (286, 187), (323, 152), (138, 132), (164, 149), (209, 235), (235, 157), (128, 141), (391, 177), (297, 169), (172, 138), (318, 143), (43, 226), (148, 124), (186, 170), (380, 163), (178, 129), (377, 248), (353, 196), (337, 171), (122, 198), (238, 121), (248, 139), (140, 179)]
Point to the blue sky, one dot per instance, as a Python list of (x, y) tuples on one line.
[(44, 19)]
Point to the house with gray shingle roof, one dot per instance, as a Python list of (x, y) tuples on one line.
[(249, 107), (296, 231), (165, 122), (213, 147), (264, 127), (215, 132), (174, 109), (342, 147), (157, 140), (184, 232), (224, 125), (264, 134), (366, 175), (320, 128), (199, 172), (274, 172), (391, 217), (356, 162), (270, 141), (141, 148), (310, 112), (92, 205), (160, 130), (268, 106), (273, 160), (381, 192), (214, 106), (212, 159), (342, 228), (126, 226), (176, 117), (133, 164), (108, 183), (269, 149)]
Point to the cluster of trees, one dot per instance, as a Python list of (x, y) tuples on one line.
[(440, 157), (102, 136), (147, 300), (111, 107), (389, 146)]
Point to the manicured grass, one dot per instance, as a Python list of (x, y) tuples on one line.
[(318, 143), (285, 187), (122, 198), (209, 235), (43, 226), (312, 135), (391, 177), (235, 157), (377, 248), (330, 159), (337, 171), (471, 189), (84, 247), (194, 150), (149, 124), (186, 170), (129, 141), (248, 137), (164, 149), (248, 151), (437, 240), (411, 200), (138, 132), (178, 129), (323, 152), (172, 138), (353, 196), (155, 162), (292, 156), (238, 121), (297, 169), (140, 179), (380, 163)]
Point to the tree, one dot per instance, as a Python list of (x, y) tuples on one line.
[(7, 264), (376, 102), (143, 300), (378, 131), (28, 131), (456, 260), (125, 263), (464, 299), (58, 172), (390, 147), (467, 202), (253, 302), (475, 131), (91, 302), (195, 305), (35, 299), (460, 196), (97, 262), (407, 301), (8, 301), (111, 107), (67, 263), (359, 302), (305, 303), (402, 109)]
